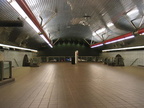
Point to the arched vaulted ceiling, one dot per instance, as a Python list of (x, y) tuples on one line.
[(63, 19)]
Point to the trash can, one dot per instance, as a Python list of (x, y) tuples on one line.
[(73, 60)]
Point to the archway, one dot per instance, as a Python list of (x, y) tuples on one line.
[(119, 61), (26, 60)]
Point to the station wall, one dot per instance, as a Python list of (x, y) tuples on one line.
[(128, 56), (15, 56)]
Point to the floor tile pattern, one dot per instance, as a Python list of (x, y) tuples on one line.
[(85, 85)]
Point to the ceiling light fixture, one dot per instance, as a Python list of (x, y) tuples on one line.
[(97, 45), (113, 40), (20, 48), (94, 33), (142, 34), (132, 12), (121, 39), (22, 8), (43, 37), (100, 30), (110, 24), (120, 49)]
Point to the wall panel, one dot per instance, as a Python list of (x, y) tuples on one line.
[(1, 56), (15, 56)]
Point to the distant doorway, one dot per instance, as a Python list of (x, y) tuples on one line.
[(26, 60)]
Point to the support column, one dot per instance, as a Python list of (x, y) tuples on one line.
[(76, 56)]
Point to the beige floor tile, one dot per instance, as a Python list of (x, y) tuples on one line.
[(85, 85)]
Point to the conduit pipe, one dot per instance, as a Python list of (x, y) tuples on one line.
[(28, 11)]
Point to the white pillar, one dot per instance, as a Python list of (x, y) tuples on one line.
[(76, 56)]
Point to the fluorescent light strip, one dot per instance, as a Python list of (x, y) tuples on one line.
[(94, 34), (20, 48), (32, 25), (42, 36), (132, 12), (15, 5), (97, 45), (110, 24), (120, 49), (142, 34), (100, 30), (18, 8), (129, 37)]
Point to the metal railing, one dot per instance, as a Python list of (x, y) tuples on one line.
[(5, 72), (69, 58)]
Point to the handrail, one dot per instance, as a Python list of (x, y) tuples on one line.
[(16, 62), (134, 61)]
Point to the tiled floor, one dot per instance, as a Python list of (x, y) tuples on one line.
[(63, 85)]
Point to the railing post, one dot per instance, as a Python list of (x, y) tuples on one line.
[(10, 69), (1, 70)]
